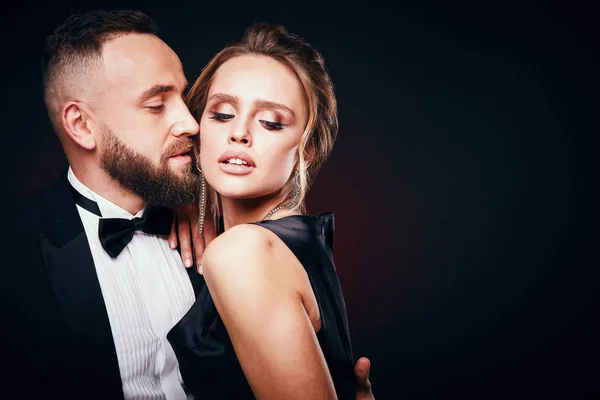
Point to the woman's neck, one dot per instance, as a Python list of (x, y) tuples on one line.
[(243, 211)]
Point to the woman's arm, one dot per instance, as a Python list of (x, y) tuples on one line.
[(257, 286)]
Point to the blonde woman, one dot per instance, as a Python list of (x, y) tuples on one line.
[(271, 321)]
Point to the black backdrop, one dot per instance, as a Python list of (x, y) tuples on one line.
[(463, 179)]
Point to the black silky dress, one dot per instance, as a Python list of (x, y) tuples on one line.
[(207, 361)]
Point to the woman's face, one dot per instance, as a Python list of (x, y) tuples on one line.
[(254, 118)]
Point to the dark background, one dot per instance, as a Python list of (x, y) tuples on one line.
[(463, 179)]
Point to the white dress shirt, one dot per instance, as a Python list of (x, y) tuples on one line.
[(146, 290)]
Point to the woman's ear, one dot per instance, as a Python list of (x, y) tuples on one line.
[(309, 157)]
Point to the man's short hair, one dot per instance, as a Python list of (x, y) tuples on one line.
[(78, 41)]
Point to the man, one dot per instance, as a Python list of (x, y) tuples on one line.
[(90, 285)]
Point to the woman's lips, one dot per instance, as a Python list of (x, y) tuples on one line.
[(236, 156), (235, 169), (236, 163)]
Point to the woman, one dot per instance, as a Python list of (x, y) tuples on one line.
[(270, 322)]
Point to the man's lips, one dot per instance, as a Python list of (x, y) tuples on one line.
[(184, 152)]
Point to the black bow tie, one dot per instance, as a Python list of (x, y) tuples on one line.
[(116, 233)]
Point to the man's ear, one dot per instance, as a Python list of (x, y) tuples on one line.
[(76, 120)]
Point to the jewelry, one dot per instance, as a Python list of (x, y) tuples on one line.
[(202, 203), (291, 204), (280, 207)]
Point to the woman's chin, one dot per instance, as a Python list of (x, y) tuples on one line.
[(242, 193), (238, 195)]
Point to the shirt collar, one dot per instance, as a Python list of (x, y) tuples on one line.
[(107, 207)]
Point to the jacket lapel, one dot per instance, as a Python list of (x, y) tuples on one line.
[(71, 270)]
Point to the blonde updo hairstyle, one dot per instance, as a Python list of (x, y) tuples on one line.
[(307, 64)]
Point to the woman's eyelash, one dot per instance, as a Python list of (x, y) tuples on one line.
[(272, 125), (220, 116), (269, 124)]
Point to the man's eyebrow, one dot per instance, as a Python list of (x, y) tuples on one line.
[(155, 90)]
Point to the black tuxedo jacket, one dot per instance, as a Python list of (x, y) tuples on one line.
[(56, 340)]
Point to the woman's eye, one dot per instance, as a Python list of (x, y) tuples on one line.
[(220, 116), (272, 125)]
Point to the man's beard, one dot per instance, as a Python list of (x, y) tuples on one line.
[(156, 185)]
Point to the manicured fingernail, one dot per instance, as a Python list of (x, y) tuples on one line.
[(188, 262), (200, 268), (172, 244)]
